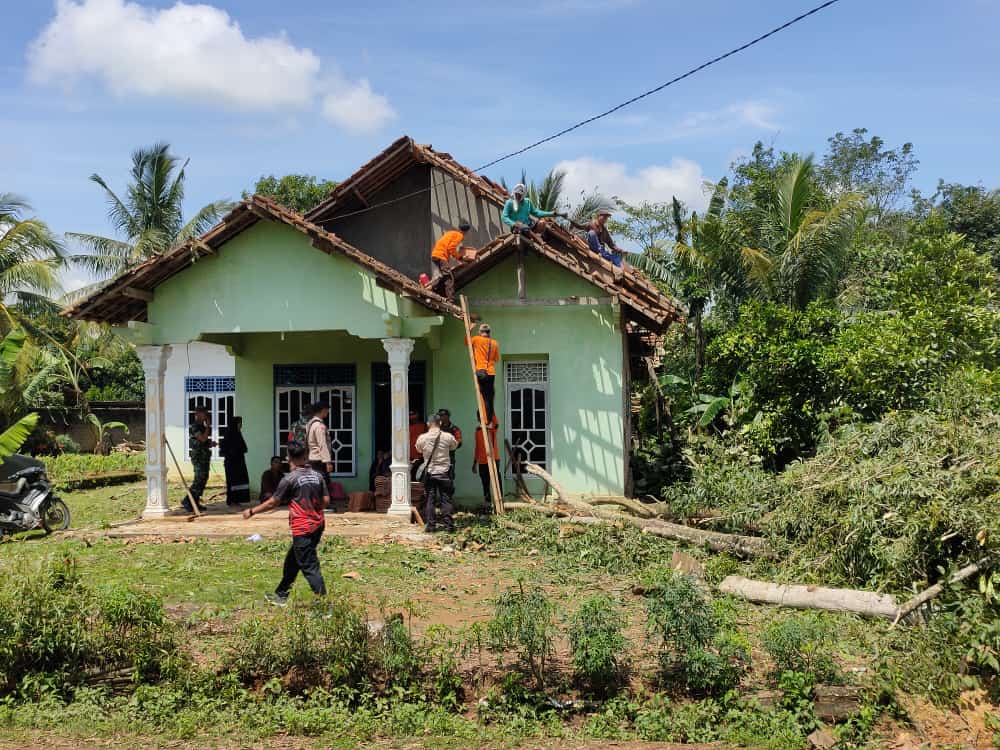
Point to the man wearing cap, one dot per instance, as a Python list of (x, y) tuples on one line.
[(520, 214), (455, 431), (446, 248), (599, 238)]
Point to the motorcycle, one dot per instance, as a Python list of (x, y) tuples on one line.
[(27, 499)]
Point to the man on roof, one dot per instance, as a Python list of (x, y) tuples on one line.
[(520, 214), (448, 247), (599, 238)]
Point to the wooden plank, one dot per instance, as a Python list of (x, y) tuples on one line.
[(360, 197), (545, 302), (144, 294), (490, 459), (522, 293)]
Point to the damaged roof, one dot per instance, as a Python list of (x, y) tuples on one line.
[(356, 192), (645, 302), (125, 297)]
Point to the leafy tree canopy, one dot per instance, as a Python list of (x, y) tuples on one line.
[(299, 192)]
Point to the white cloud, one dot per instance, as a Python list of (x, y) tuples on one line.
[(656, 183), (755, 114), (186, 52), (356, 108)]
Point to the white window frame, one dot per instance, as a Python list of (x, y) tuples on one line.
[(311, 394), (522, 375), (212, 392)]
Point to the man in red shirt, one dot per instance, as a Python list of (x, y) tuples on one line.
[(307, 494)]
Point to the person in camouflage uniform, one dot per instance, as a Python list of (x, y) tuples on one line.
[(200, 443)]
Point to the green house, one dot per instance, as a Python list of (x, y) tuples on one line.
[(328, 305)]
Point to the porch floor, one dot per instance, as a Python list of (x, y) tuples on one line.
[(221, 521)]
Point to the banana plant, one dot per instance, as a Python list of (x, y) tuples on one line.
[(102, 433), (709, 407), (14, 436)]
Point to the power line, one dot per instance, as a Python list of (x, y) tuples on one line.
[(662, 86), (616, 108)]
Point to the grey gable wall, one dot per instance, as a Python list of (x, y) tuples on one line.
[(403, 233)]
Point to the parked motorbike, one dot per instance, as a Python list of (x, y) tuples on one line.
[(27, 499)]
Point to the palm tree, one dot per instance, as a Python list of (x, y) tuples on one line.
[(150, 217), (805, 235), (30, 256)]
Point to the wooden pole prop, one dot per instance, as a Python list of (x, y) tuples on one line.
[(177, 466), (490, 459)]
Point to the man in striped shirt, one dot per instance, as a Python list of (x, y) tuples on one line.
[(307, 494)]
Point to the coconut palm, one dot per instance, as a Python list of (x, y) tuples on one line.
[(30, 257), (149, 219), (805, 235)]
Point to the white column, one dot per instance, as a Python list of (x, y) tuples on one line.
[(399, 365), (154, 364)]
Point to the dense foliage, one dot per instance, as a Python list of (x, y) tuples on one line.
[(299, 192)]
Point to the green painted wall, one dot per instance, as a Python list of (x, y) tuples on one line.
[(583, 346), (269, 278), (255, 389)]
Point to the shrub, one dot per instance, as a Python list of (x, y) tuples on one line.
[(442, 649), (522, 622), (54, 630), (322, 643), (66, 444), (692, 643), (71, 469), (598, 647), (802, 643), (397, 657)]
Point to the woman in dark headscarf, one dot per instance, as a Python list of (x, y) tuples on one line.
[(233, 450)]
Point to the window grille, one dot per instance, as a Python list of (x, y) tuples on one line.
[(528, 411), (216, 394), (297, 386)]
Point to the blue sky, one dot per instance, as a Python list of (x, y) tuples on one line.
[(251, 87)]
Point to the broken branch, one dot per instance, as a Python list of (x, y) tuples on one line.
[(866, 603)]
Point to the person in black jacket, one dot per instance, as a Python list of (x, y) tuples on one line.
[(234, 450)]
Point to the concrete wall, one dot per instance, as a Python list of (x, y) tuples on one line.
[(397, 234), (583, 347), (131, 413), (196, 358)]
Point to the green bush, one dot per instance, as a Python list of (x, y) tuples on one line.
[(324, 642), (54, 630), (523, 623), (71, 469), (599, 650), (397, 657), (693, 645), (802, 643)]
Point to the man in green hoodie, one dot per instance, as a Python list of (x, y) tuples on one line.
[(520, 214)]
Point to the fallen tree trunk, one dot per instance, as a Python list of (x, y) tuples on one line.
[(738, 544), (545, 510), (561, 494), (866, 603), (744, 546), (623, 502)]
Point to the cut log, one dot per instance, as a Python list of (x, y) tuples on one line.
[(835, 703), (927, 594), (866, 603), (623, 502)]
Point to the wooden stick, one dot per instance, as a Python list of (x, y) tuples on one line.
[(420, 518), (490, 460), (929, 593), (187, 489)]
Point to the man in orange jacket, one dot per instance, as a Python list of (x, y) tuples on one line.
[(486, 353), (481, 463), (446, 248)]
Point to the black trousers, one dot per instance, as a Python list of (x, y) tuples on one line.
[(487, 388), (439, 489), (484, 477), (302, 555)]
